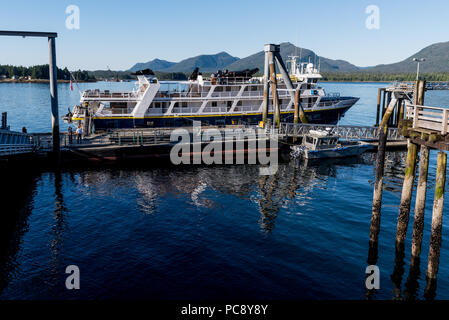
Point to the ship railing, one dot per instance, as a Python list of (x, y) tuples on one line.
[(321, 104), (231, 80), (215, 109), (181, 94), (182, 110), (215, 95), (333, 95), (109, 95)]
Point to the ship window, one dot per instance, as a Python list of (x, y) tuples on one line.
[(157, 104), (214, 103), (184, 104), (228, 88), (239, 103), (229, 104), (253, 88), (219, 89), (309, 139)]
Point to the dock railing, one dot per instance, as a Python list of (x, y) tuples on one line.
[(429, 118), (342, 131), (12, 143)]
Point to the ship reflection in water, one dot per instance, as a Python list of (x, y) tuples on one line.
[(197, 232)]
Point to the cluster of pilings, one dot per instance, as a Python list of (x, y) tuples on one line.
[(407, 190), (391, 103), (272, 54)]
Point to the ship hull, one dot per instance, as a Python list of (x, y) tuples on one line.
[(325, 116)]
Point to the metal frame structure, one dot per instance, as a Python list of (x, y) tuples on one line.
[(346, 132), (53, 79)]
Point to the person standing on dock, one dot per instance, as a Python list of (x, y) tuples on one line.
[(79, 133), (70, 133)]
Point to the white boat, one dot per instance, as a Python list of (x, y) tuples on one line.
[(224, 98), (319, 144)]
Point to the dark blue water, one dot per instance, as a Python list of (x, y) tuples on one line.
[(205, 232)]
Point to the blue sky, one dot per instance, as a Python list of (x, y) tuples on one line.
[(119, 33)]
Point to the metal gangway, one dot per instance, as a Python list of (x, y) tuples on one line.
[(409, 85), (365, 133), (13, 143)]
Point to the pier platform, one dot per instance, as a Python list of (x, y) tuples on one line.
[(14, 143), (156, 144)]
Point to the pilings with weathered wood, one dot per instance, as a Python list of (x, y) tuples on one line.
[(420, 204), (418, 96), (298, 113), (274, 92), (266, 93), (407, 187), (378, 185), (437, 217), (428, 140), (296, 110), (406, 196), (379, 98)]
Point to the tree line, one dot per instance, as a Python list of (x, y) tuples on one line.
[(383, 77), (41, 72)]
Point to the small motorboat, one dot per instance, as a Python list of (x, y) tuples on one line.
[(320, 144)]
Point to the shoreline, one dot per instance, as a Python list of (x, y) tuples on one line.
[(39, 81)]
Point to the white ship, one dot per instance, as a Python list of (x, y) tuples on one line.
[(224, 98)]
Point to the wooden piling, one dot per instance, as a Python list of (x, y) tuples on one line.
[(274, 93), (407, 188), (378, 184), (420, 88), (296, 112), (379, 96), (383, 97), (420, 204), (401, 112), (386, 120), (437, 217), (397, 112), (266, 100)]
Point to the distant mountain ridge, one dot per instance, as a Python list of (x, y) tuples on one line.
[(156, 65), (437, 60), (287, 49), (436, 55), (205, 62)]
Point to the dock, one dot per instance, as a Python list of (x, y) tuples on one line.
[(426, 129), (155, 143), (13, 144)]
